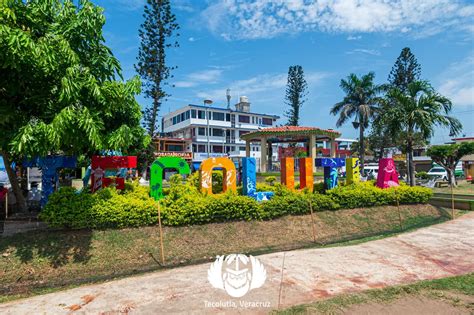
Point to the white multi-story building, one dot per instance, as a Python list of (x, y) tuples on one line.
[(212, 131)]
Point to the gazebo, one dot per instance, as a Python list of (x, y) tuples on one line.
[(288, 134)]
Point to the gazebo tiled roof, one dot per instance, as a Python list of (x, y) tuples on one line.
[(291, 131)]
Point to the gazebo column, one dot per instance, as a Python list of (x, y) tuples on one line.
[(270, 156), (247, 148), (333, 148), (312, 150), (263, 154)]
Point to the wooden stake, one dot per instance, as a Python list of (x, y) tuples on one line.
[(312, 220), (398, 208), (161, 235)]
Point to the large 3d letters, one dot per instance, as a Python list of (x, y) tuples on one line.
[(388, 175), (229, 180), (102, 163), (249, 181), (288, 173), (157, 168), (352, 170), (49, 169), (330, 170)]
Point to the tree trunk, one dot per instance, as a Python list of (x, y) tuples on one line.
[(452, 176), (411, 165), (361, 147), (20, 199)]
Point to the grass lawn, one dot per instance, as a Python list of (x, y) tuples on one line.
[(42, 261), (441, 296), (463, 187)]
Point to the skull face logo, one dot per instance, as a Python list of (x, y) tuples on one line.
[(237, 274)]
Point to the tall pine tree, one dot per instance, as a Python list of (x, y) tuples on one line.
[(296, 91), (157, 34), (405, 70)]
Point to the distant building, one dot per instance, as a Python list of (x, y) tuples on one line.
[(208, 131)]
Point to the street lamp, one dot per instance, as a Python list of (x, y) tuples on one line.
[(227, 94), (207, 103)]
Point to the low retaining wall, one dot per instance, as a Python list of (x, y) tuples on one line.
[(11, 227), (462, 202)]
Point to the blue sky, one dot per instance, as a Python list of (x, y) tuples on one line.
[(248, 47)]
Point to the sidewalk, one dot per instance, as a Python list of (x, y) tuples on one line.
[(434, 252)]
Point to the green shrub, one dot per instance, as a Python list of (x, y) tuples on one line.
[(69, 209), (185, 205), (422, 175), (107, 208), (270, 180)]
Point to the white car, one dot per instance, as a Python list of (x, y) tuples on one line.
[(438, 172), (371, 171)]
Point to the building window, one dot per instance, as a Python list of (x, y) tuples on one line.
[(216, 149), (175, 120), (201, 114), (242, 132), (227, 117), (244, 119), (217, 132), (267, 121), (201, 131), (193, 113), (241, 148), (201, 148), (187, 114), (253, 120), (175, 147), (218, 116)]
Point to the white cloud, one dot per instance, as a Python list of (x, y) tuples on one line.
[(233, 19), (372, 52), (260, 86), (194, 79), (351, 37), (457, 82)]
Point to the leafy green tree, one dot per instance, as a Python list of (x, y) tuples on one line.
[(156, 34), (418, 111), (296, 91), (361, 100), (59, 91), (405, 70), (449, 155)]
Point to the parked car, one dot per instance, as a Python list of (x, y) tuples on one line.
[(371, 171), (438, 172)]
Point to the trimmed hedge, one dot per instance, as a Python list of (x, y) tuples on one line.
[(185, 205), (108, 208)]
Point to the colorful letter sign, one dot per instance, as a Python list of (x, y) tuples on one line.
[(330, 170), (102, 163), (352, 170), (229, 180), (387, 175), (249, 181), (288, 172), (157, 168), (49, 169)]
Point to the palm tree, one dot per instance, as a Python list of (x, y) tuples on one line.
[(361, 100), (416, 113)]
